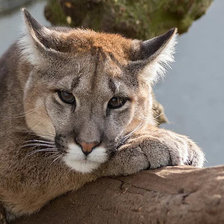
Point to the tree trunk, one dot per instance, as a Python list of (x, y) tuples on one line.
[(140, 19), (171, 195)]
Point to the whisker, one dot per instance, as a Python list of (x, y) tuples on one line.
[(39, 141), (22, 130), (58, 157), (46, 135), (24, 114), (47, 150), (53, 155), (21, 115), (37, 145), (158, 115), (123, 139)]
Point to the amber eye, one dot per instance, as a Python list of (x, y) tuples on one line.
[(116, 102), (66, 97)]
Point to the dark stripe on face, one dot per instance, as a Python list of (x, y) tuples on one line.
[(100, 56), (75, 82), (115, 61), (112, 86), (94, 77)]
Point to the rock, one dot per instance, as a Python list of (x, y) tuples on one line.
[(170, 195), (140, 19)]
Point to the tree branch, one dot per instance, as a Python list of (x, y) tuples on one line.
[(170, 195)]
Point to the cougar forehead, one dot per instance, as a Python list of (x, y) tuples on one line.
[(88, 40)]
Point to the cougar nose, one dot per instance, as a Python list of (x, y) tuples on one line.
[(87, 147)]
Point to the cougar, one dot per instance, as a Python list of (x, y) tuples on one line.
[(76, 105)]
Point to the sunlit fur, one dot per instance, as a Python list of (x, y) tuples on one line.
[(158, 67)]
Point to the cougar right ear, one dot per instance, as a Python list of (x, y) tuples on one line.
[(151, 57), (39, 39)]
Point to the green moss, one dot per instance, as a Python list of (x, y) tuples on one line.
[(58, 16), (140, 19)]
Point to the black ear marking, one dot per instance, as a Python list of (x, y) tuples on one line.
[(151, 57), (39, 33), (35, 29), (43, 37), (31, 22), (155, 45)]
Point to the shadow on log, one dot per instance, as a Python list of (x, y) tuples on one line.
[(172, 195)]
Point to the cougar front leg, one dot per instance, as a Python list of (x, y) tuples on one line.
[(152, 149)]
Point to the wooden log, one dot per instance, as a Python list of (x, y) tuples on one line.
[(170, 195)]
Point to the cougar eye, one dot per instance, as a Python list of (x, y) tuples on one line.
[(116, 102), (66, 97)]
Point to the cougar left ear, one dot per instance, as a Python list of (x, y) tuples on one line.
[(153, 56), (39, 39)]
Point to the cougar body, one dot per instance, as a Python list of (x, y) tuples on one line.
[(77, 105)]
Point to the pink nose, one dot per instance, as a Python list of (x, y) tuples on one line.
[(88, 147)]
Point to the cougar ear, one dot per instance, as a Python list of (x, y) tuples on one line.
[(39, 40), (153, 56)]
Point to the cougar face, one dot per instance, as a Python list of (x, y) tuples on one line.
[(87, 91)]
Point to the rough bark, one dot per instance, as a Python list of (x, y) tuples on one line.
[(140, 19), (171, 195)]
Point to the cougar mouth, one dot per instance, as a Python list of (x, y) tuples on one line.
[(78, 161)]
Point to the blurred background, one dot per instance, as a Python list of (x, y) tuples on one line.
[(192, 93)]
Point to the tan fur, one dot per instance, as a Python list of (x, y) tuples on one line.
[(86, 40), (41, 136)]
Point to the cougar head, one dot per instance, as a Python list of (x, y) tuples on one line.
[(89, 91)]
